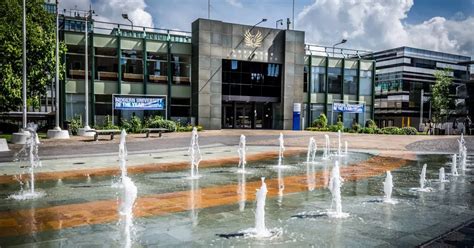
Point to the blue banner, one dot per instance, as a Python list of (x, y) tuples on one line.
[(348, 108), (139, 103)]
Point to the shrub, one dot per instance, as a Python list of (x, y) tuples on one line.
[(320, 122), (132, 126), (392, 130), (356, 127), (368, 130), (74, 124), (371, 124), (6, 127), (337, 127), (107, 124), (158, 122), (187, 128), (409, 130)]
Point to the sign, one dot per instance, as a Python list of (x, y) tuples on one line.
[(253, 40), (348, 108), (139, 102)]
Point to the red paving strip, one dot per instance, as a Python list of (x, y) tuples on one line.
[(21, 222), (145, 168)]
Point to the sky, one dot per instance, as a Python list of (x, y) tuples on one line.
[(440, 25)]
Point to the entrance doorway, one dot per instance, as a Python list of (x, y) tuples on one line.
[(247, 115)]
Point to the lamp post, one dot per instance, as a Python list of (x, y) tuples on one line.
[(125, 16), (57, 133), (21, 136), (84, 131), (278, 22), (334, 46)]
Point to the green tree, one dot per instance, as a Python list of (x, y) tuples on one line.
[(40, 47), (440, 100)]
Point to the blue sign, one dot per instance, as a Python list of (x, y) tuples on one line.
[(348, 108), (139, 103)]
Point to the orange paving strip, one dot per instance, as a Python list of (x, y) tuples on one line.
[(145, 168), (13, 223)]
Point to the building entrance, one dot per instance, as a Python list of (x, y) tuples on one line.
[(247, 115)]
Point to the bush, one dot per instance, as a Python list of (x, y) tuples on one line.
[(6, 127), (337, 127), (368, 130), (320, 122), (371, 124), (132, 126), (356, 127), (74, 124), (187, 128), (107, 124), (409, 130), (158, 122), (392, 130)]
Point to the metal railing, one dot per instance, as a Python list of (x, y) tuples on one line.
[(326, 51)]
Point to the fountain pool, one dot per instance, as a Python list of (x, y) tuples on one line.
[(167, 205)]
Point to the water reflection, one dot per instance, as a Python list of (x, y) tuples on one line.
[(242, 192), (311, 176), (194, 201)]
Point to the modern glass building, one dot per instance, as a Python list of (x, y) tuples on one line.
[(404, 77)]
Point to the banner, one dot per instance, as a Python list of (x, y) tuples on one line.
[(139, 103), (348, 108)]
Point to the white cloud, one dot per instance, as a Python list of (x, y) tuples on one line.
[(234, 3), (377, 25), (111, 10)]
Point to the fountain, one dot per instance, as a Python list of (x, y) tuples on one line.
[(454, 169), (335, 183), (326, 154), (442, 175), (195, 154), (123, 153), (126, 203), (128, 195), (388, 188), (281, 149), (194, 214), (242, 154), (281, 186), (311, 176), (463, 158), (312, 148), (422, 187), (29, 151), (339, 145)]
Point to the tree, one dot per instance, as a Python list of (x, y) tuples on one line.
[(440, 101), (40, 47)]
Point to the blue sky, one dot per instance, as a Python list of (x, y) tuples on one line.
[(442, 25)]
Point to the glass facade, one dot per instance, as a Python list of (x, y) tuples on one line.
[(334, 80), (318, 79)]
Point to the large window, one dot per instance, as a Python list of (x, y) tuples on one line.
[(157, 67), (181, 66), (334, 80), (244, 78), (318, 79), (365, 83), (350, 81), (106, 63), (75, 62), (132, 65)]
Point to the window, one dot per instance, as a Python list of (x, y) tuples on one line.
[(365, 83), (75, 62), (106, 63), (242, 78), (350, 81), (180, 107), (334, 80), (318, 80), (132, 65), (181, 69), (157, 66)]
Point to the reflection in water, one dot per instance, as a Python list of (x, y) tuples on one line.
[(281, 186), (241, 192), (194, 200), (310, 176), (325, 176)]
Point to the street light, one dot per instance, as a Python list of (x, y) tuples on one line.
[(57, 133), (342, 42), (125, 16), (278, 22)]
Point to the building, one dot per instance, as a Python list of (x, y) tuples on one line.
[(404, 74), (220, 75)]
